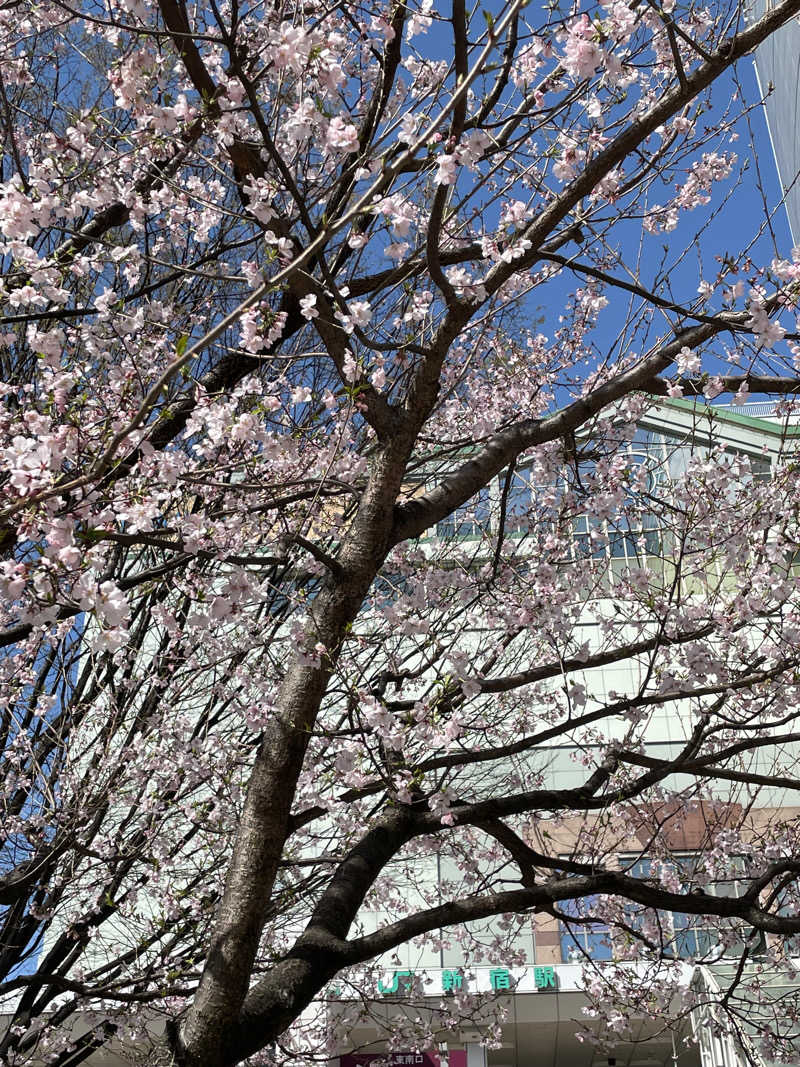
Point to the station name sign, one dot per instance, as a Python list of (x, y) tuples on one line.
[(455, 980)]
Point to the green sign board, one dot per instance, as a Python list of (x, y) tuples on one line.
[(453, 981), (545, 977), (402, 982)]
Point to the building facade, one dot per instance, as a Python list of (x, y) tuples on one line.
[(524, 1005), (531, 1013), (777, 63)]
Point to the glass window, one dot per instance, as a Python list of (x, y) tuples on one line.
[(387, 587), (588, 538), (760, 467), (528, 503), (635, 531), (518, 501), (582, 939), (690, 940), (684, 936), (470, 520), (621, 539)]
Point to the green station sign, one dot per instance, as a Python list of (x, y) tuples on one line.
[(454, 980)]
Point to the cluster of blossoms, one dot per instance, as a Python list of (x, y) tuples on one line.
[(713, 167), (228, 426), (767, 331), (468, 153), (358, 314), (582, 55)]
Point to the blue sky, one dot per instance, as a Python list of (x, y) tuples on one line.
[(744, 215)]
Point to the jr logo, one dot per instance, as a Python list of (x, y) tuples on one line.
[(401, 980)]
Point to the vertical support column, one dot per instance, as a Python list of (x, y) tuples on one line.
[(476, 1054)]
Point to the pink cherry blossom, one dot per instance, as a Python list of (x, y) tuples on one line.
[(342, 134), (383, 572), (582, 56)]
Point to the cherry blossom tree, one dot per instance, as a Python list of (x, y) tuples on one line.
[(327, 330)]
